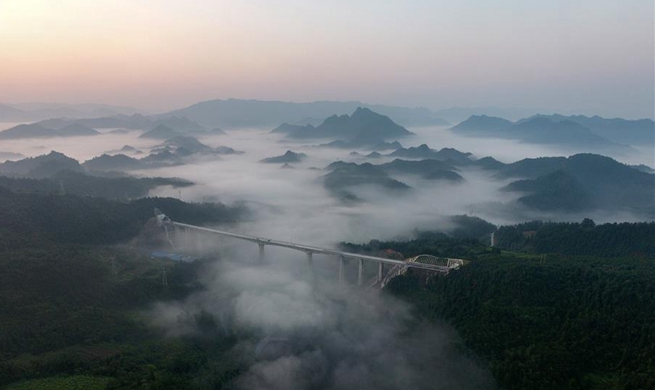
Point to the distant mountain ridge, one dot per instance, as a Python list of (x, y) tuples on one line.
[(541, 130), (37, 131), (633, 132), (29, 112), (236, 113), (132, 122)]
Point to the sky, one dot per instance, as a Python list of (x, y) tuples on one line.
[(584, 56)]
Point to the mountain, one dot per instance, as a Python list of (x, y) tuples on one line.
[(624, 131), (161, 132), (347, 177), (183, 146), (4, 156), (56, 123), (382, 146), (81, 184), (590, 181), (288, 157), (41, 166), (459, 114), (532, 167), (76, 130), (427, 169), (11, 114), (117, 162), (28, 131), (481, 124), (188, 143), (557, 191), (488, 163), (286, 128), (568, 133), (235, 113), (643, 168), (455, 156), (423, 151), (47, 166), (181, 124), (35, 130), (539, 130), (162, 159), (27, 112), (339, 144), (132, 122), (226, 150), (527, 168), (363, 127)]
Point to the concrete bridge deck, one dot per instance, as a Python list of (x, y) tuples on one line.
[(397, 266)]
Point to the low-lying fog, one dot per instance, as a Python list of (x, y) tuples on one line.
[(310, 332), (292, 204)]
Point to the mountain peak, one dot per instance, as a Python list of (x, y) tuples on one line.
[(363, 111)]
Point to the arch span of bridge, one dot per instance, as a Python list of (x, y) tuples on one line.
[(398, 266)]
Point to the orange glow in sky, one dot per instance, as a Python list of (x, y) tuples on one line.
[(590, 55)]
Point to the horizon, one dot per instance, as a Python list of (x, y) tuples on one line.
[(556, 57), (480, 109)]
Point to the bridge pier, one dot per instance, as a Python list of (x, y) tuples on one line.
[(341, 269), (168, 236), (199, 242), (360, 268), (261, 252), (310, 264), (380, 271)]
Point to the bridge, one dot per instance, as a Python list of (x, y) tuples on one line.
[(398, 267)]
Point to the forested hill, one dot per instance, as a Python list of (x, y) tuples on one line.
[(560, 323), (70, 299), (571, 307), (29, 219), (587, 182), (584, 238), (81, 184)]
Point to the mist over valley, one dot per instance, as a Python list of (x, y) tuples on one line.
[(431, 195)]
